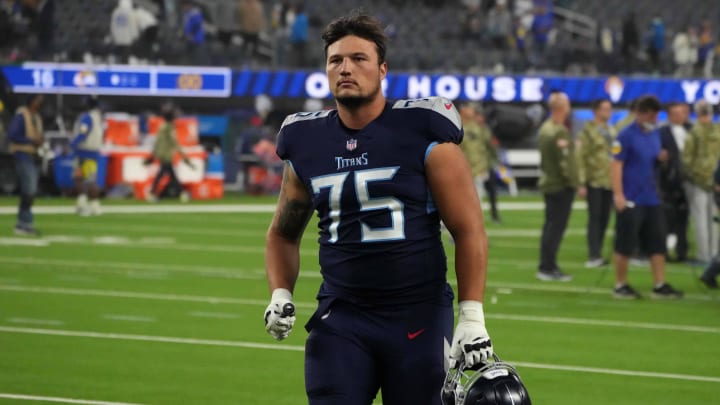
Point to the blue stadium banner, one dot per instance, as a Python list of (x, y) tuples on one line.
[(185, 81), (621, 90), (119, 80)]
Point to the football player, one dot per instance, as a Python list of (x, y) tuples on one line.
[(86, 147), (380, 176)]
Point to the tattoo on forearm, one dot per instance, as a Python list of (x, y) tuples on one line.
[(293, 215)]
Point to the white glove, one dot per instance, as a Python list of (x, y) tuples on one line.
[(471, 340), (280, 314)]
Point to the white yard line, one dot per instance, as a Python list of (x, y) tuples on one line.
[(128, 318), (218, 315), (309, 305), (252, 345), (23, 242), (23, 397), (34, 321), (231, 208)]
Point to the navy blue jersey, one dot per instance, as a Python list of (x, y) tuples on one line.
[(379, 230)]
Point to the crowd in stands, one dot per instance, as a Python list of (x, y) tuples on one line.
[(557, 36)]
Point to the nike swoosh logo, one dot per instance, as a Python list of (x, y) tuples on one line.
[(413, 335)]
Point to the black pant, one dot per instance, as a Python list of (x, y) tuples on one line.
[(599, 201), (173, 185), (558, 206), (491, 189), (676, 216)]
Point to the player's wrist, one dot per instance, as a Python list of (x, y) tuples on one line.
[(281, 294), (471, 311)]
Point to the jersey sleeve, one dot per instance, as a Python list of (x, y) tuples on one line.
[(620, 146), (445, 122), (282, 149)]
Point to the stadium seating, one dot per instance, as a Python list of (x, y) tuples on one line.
[(423, 37)]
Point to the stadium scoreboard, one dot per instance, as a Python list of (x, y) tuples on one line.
[(119, 80)]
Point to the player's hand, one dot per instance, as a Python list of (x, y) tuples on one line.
[(620, 203), (471, 341), (280, 314)]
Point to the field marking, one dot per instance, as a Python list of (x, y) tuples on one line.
[(128, 318), (129, 268), (232, 208), (23, 397), (252, 345), (612, 371), (308, 305), (34, 321), (218, 315), (23, 242)]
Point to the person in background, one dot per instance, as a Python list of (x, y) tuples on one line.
[(299, 37), (490, 151), (86, 145), (639, 217), (709, 276), (558, 184), (194, 33), (26, 135), (124, 29), (166, 145), (670, 173), (251, 14), (473, 145), (699, 158), (593, 147)]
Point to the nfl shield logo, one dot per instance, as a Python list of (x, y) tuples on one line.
[(351, 144)]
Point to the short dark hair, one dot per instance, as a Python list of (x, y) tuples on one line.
[(360, 25), (595, 104), (648, 103)]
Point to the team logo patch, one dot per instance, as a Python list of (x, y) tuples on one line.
[(616, 148), (351, 144), (448, 106)]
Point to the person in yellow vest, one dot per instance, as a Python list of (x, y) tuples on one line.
[(86, 145), (166, 145), (26, 135), (594, 145), (558, 184)]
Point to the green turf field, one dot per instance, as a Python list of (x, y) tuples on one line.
[(166, 308)]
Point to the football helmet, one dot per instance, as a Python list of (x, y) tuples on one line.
[(491, 383)]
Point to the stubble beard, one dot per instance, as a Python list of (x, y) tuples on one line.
[(357, 101)]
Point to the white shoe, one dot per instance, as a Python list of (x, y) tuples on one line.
[(184, 197), (149, 197)]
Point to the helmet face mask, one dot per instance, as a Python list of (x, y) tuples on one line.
[(492, 383)]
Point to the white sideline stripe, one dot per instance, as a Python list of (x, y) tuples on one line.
[(612, 371), (210, 342), (129, 318), (308, 305), (232, 208), (23, 397), (33, 321)]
